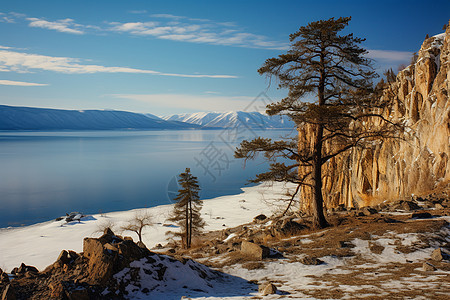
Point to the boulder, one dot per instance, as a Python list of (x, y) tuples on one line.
[(63, 257), (259, 218), (254, 250), (437, 255), (428, 267), (267, 288), (101, 263)]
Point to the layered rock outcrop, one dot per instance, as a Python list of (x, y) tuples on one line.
[(419, 163)]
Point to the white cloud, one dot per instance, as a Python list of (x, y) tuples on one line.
[(191, 102), (178, 28), (390, 55), (164, 26), (65, 25), (20, 83), (24, 62)]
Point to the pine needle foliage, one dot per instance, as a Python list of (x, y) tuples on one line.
[(186, 212)]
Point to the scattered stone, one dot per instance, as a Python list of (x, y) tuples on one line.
[(428, 267), (437, 255), (358, 214), (344, 244), (267, 288), (376, 248), (311, 261), (108, 231), (409, 206), (255, 251), (368, 211), (438, 206), (421, 215), (9, 293), (390, 220), (259, 218), (290, 227), (63, 257)]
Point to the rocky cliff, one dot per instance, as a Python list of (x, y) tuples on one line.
[(418, 164)]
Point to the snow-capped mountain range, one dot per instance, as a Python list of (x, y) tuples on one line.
[(30, 118), (233, 119)]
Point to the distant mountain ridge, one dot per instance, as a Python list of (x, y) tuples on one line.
[(30, 118), (233, 119)]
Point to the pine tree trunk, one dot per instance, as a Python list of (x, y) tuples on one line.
[(190, 217), (186, 235), (319, 220)]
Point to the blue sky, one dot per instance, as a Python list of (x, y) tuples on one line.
[(165, 57)]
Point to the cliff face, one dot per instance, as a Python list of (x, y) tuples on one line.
[(419, 163)]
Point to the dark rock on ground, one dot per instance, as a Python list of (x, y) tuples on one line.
[(421, 215), (260, 217), (367, 211), (311, 261)]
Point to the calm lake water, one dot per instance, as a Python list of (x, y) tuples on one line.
[(44, 175)]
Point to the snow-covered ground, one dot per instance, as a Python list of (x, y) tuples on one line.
[(364, 274), (39, 245)]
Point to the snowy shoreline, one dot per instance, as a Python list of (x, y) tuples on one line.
[(40, 244)]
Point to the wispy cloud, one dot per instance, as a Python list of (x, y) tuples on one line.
[(24, 62), (21, 83), (6, 18), (138, 12), (179, 28), (390, 55), (191, 102), (161, 26), (65, 25), (166, 16)]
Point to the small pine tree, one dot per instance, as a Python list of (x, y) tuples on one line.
[(390, 75), (186, 212)]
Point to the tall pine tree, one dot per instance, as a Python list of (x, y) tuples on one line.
[(186, 212), (332, 101)]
